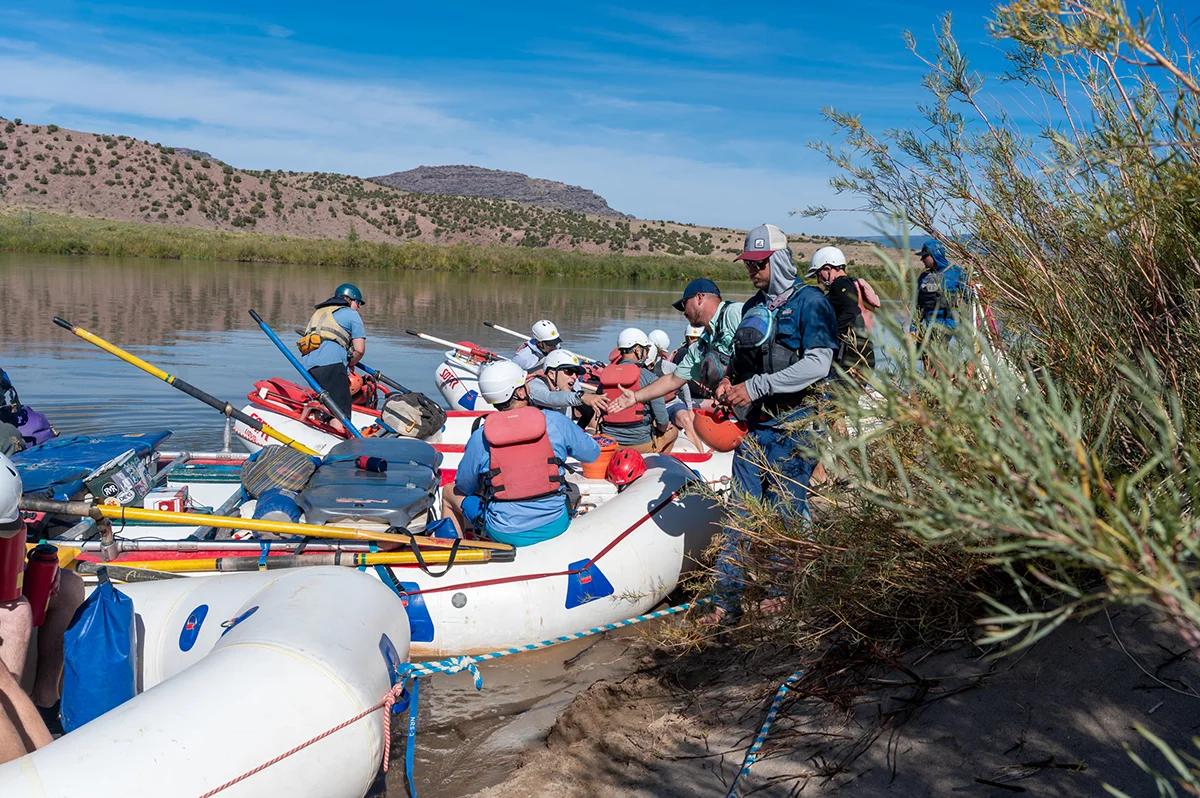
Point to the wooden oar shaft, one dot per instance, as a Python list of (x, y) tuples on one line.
[(191, 390), (355, 560)]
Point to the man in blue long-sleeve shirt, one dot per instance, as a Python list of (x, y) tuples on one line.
[(517, 451)]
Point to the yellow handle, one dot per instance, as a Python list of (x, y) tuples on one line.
[(205, 564)]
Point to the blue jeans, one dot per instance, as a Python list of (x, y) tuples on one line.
[(783, 483)]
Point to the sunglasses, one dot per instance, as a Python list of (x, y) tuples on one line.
[(755, 266)]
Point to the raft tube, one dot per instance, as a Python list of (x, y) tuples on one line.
[(235, 670)]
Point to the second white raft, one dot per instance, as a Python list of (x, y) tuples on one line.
[(236, 669)]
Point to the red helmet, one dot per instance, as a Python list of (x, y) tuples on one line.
[(356, 383), (624, 467), (719, 431)]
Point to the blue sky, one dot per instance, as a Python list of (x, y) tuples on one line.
[(696, 112)]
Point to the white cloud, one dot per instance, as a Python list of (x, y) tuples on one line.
[(276, 119)]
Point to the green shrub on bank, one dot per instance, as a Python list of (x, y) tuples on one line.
[(65, 235)]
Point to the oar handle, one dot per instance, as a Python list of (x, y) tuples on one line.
[(322, 394), (506, 331), (473, 351), (379, 375), (66, 325)]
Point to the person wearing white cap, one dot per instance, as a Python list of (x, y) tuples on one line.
[(511, 481), (643, 427), (554, 388), (545, 340)]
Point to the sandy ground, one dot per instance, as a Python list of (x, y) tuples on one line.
[(1050, 722)]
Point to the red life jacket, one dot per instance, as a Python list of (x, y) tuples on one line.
[(12, 565), (522, 465), (612, 379)]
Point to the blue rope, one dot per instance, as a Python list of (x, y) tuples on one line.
[(413, 670), (764, 730)]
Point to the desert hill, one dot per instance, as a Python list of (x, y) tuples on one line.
[(475, 181), (51, 169)]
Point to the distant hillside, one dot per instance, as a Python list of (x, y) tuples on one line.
[(475, 181), (44, 168)]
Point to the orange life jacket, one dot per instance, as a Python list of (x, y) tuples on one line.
[(12, 565), (612, 379), (522, 464)]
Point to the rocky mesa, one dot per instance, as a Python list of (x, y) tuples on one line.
[(476, 181)]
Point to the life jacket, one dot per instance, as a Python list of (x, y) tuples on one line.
[(714, 364), (612, 379), (322, 326), (781, 346), (522, 465), (934, 301), (12, 564), (868, 303)]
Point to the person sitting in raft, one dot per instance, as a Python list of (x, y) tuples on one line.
[(643, 427), (334, 341), (545, 340), (555, 389), (511, 483), (23, 724), (703, 363)]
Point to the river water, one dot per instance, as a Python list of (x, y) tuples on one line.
[(190, 319)]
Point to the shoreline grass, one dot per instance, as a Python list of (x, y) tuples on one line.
[(56, 234)]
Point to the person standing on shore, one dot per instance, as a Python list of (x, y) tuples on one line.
[(941, 288), (855, 350), (784, 344), (545, 340), (333, 343)]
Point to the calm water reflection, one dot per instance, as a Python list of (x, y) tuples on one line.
[(190, 318)]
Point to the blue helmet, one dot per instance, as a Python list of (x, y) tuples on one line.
[(351, 292)]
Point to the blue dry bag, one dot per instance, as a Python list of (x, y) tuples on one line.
[(100, 651)]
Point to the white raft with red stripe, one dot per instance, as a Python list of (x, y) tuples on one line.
[(235, 670), (290, 409), (618, 560)]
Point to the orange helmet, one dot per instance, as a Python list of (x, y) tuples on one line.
[(718, 430), (356, 383), (624, 467)]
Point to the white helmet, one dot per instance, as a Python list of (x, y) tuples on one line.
[(561, 358), (631, 337), (499, 379), (693, 331), (660, 339), (10, 491), (826, 256), (545, 331)]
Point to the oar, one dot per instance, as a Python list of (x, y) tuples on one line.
[(322, 394), (525, 337), (188, 388), (81, 509), (379, 375), (473, 351), (352, 559)]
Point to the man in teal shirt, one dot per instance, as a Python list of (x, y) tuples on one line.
[(705, 360)]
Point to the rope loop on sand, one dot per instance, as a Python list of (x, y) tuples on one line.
[(406, 690), (764, 730)]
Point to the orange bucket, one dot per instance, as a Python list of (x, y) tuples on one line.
[(599, 467)]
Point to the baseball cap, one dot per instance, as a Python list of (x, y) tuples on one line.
[(701, 285), (762, 241)]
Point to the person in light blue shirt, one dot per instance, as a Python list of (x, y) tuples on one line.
[(334, 342), (525, 521)]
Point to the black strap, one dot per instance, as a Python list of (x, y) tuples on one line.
[(421, 559)]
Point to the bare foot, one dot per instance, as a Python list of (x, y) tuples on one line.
[(772, 606), (712, 618)]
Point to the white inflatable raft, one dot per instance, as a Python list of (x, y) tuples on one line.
[(235, 670)]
